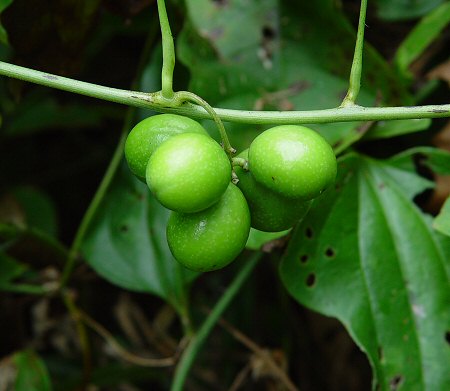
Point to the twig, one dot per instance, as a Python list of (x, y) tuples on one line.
[(197, 341), (125, 354), (260, 352), (240, 378)]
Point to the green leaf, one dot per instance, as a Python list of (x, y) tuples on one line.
[(278, 58), (442, 221), (436, 160), (31, 372), (37, 113), (126, 243), (39, 210), (257, 239), (3, 34), (10, 269), (368, 256), (387, 129), (422, 35), (405, 9)]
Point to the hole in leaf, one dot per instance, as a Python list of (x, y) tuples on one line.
[(395, 382), (447, 337), (124, 228), (268, 32), (273, 178), (304, 258), (329, 252), (311, 280), (309, 232)]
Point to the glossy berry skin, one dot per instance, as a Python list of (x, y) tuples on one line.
[(211, 239), (150, 133), (270, 211), (292, 160), (188, 173)]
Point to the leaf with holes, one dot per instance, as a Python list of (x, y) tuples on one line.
[(126, 243), (278, 58), (369, 257)]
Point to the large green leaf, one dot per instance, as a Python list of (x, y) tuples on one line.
[(368, 256), (126, 243), (283, 56)]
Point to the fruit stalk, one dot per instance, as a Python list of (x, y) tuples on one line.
[(186, 96)]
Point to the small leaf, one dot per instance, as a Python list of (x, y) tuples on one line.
[(374, 263), (387, 129), (10, 269), (31, 372), (3, 34), (39, 210), (405, 9), (442, 221), (258, 239), (126, 242), (436, 160), (423, 34)]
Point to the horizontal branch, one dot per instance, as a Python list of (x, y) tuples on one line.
[(154, 101)]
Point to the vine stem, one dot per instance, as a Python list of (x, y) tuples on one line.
[(355, 73), (68, 300), (168, 52), (197, 341), (95, 203), (156, 102), (186, 96), (107, 178)]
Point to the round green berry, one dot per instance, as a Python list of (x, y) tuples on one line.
[(270, 211), (188, 173), (150, 133), (292, 160), (210, 239)]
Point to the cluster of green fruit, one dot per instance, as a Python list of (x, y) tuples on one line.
[(189, 173)]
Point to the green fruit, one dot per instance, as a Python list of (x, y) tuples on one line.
[(188, 173), (150, 133), (270, 211), (211, 239), (292, 160)]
